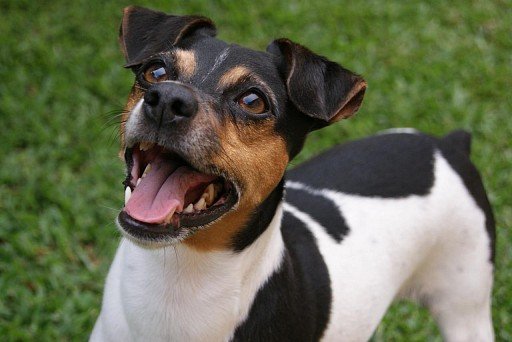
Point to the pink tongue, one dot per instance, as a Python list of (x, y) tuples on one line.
[(162, 191)]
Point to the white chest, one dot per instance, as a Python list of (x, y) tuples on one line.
[(179, 294)]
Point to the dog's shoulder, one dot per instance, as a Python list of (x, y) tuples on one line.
[(295, 302)]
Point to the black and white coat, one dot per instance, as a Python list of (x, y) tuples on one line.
[(397, 215)]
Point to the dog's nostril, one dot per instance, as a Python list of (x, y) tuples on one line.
[(151, 97), (184, 107), (164, 102), (178, 107)]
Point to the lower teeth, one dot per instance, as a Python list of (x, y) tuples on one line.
[(200, 205), (168, 219)]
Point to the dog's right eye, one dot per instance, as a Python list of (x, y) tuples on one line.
[(155, 73)]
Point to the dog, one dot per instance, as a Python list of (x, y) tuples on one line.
[(222, 243)]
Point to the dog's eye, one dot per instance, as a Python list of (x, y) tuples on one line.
[(253, 102), (156, 73)]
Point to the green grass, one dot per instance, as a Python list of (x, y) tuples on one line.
[(433, 65)]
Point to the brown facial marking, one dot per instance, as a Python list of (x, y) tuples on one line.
[(185, 63), (135, 95), (233, 76), (254, 155)]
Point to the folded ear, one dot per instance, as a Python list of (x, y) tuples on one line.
[(145, 32), (316, 86)]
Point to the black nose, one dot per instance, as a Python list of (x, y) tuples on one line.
[(165, 102)]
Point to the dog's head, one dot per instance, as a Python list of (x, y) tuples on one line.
[(210, 127)]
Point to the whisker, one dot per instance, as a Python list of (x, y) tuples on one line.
[(107, 207)]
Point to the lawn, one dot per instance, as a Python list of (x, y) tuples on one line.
[(436, 66)]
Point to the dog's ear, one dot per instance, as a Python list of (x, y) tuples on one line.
[(318, 87), (145, 32)]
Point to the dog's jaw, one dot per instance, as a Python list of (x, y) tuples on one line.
[(189, 194)]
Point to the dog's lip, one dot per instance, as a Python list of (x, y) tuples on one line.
[(148, 234)]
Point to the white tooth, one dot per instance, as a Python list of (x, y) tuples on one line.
[(189, 209), (168, 218), (127, 194), (138, 181), (145, 145), (210, 191), (146, 170), (200, 204), (206, 197)]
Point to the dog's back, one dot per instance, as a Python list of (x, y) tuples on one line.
[(397, 215)]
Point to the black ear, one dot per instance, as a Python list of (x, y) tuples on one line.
[(145, 32), (316, 86)]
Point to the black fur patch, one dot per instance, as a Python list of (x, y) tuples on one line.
[(295, 303), (388, 165), (321, 209), (259, 221)]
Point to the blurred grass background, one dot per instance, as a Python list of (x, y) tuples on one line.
[(436, 66)]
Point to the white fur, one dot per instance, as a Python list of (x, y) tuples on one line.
[(178, 294), (399, 130), (133, 122), (431, 248)]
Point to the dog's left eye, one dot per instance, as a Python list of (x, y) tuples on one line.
[(253, 102), (156, 73)]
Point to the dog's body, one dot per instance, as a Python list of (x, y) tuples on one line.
[(320, 256)]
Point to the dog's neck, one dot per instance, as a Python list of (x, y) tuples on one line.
[(180, 283), (260, 220)]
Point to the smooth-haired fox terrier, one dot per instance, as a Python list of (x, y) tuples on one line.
[(221, 243)]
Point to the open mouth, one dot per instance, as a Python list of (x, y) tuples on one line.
[(164, 194)]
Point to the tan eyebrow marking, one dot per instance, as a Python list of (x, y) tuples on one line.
[(233, 76), (185, 63)]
